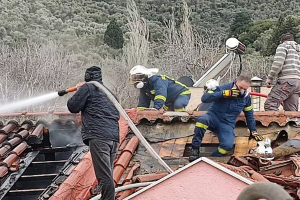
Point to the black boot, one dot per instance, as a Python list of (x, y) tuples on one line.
[(194, 154)]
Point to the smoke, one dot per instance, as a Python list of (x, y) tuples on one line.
[(29, 102), (65, 135)]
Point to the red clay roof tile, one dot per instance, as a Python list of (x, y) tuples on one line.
[(4, 150), (149, 177), (19, 149), (3, 171), (8, 128), (9, 160), (38, 131)]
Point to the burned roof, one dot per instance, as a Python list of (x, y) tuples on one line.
[(28, 144)]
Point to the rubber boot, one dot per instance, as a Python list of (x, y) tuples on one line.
[(217, 154), (194, 154)]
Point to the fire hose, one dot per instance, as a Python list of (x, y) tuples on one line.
[(125, 187), (127, 118), (261, 95)]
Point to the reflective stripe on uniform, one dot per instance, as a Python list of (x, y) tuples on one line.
[(163, 77), (210, 92), (141, 108), (222, 151), (165, 107), (181, 84), (200, 125), (248, 108), (152, 91), (179, 109), (185, 92), (160, 97)]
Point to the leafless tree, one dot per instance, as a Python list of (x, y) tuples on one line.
[(136, 49), (186, 52), (32, 70), (135, 52)]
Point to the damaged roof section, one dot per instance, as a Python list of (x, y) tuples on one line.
[(169, 133), (14, 141), (283, 170)]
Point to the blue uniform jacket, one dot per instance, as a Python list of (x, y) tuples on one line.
[(161, 89), (228, 109)]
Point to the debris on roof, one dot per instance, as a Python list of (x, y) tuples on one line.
[(24, 138)]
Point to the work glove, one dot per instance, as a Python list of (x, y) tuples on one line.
[(256, 136), (231, 93)]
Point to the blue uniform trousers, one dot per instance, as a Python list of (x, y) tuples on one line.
[(224, 131)]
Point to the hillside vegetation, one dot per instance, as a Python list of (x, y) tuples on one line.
[(178, 37)]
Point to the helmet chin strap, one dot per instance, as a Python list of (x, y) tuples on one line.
[(139, 85)]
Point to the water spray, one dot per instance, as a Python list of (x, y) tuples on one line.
[(35, 100)]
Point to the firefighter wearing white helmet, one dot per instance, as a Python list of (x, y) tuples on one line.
[(163, 90)]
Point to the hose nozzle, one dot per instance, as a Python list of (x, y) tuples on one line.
[(63, 92)]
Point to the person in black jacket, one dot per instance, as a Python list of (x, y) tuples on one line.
[(100, 128)]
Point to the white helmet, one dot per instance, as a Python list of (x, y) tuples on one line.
[(139, 75), (264, 150), (211, 84)]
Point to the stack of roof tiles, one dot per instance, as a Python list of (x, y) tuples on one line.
[(14, 141)]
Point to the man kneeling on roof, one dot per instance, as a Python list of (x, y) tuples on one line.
[(229, 100), (163, 90)]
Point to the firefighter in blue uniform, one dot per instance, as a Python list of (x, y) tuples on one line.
[(229, 100), (166, 93)]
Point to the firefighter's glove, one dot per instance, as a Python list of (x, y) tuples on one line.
[(231, 93), (256, 136)]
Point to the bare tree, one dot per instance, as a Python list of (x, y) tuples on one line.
[(135, 52), (32, 70), (136, 49), (185, 51)]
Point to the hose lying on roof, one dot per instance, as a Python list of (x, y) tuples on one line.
[(264, 190), (132, 126), (125, 187)]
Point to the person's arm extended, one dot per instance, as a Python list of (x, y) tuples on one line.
[(77, 102)]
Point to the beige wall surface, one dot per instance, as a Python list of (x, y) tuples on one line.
[(198, 92)]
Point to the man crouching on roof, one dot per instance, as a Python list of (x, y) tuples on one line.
[(100, 128), (229, 100)]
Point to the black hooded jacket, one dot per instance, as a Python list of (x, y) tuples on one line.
[(99, 115)]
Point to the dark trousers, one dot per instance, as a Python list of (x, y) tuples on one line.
[(286, 91), (179, 104), (103, 154)]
